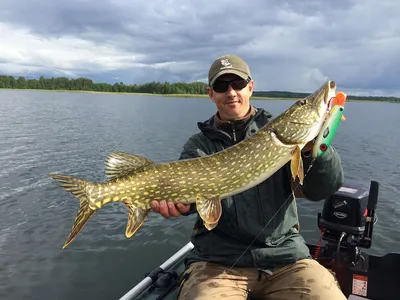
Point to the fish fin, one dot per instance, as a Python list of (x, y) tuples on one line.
[(210, 226), (136, 218), (209, 209), (119, 164), (78, 188), (296, 165)]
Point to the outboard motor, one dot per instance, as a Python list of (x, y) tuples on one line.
[(346, 223), (349, 212)]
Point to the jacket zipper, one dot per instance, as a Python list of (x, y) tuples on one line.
[(233, 133)]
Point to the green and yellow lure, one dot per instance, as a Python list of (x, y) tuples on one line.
[(328, 131)]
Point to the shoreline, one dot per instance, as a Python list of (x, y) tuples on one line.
[(177, 95)]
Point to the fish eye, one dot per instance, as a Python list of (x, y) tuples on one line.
[(302, 102)]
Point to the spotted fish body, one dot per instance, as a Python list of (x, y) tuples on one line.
[(136, 180)]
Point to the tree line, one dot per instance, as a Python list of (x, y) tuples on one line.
[(85, 84), (194, 88), (290, 95)]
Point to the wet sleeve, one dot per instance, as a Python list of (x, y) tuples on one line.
[(325, 176)]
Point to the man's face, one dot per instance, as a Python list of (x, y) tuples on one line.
[(232, 103)]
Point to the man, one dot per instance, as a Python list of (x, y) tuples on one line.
[(256, 249)]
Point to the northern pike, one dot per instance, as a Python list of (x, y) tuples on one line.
[(135, 180)]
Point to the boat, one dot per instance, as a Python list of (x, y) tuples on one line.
[(346, 224)]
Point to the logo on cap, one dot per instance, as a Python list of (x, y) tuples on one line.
[(225, 63)]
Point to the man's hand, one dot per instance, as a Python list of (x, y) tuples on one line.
[(169, 209)]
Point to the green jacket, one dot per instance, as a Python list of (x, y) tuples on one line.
[(245, 215)]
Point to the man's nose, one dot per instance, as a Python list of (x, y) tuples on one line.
[(231, 91)]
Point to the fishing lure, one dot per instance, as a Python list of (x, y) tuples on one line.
[(339, 99), (328, 131)]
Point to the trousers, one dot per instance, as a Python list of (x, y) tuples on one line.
[(305, 279)]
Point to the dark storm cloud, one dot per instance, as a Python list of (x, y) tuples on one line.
[(292, 45), (57, 18)]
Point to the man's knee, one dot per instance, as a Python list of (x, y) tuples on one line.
[(318, 279), (204, 281), (307, 279)]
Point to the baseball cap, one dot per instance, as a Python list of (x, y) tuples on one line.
[(225, 64)]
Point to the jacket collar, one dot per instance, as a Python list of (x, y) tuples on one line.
[(212, 131)]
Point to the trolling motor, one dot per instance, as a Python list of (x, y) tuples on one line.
[(346, 224)]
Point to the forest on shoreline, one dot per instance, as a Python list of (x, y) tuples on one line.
[(159, 88)]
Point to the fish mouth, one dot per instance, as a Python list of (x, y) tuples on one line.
[(331, 93), (328, 99)]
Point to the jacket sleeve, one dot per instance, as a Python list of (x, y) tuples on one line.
[(191, 149), (325, 176)]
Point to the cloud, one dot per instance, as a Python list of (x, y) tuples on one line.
[(289, 45)]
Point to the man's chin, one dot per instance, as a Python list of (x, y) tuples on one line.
[(233, 105), (233, 112)]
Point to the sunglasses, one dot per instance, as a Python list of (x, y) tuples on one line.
[(237, 84)]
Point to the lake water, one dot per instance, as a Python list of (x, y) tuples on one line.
[(72, 133)]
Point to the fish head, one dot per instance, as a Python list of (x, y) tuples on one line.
[(302, 122)]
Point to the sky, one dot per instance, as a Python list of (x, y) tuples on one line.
[(289, 45)]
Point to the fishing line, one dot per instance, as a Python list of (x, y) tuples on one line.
[(261, 231)]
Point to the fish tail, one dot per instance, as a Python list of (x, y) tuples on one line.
[(78, 188)]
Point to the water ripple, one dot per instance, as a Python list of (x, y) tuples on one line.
[(44, 133)]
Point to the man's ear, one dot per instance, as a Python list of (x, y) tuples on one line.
[(210, 93), (251, 87)]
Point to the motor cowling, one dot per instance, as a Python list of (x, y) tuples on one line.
[(350, 211), (345, 210)]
